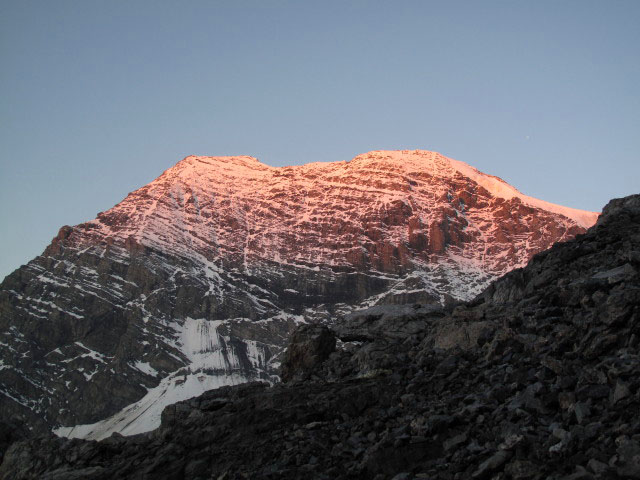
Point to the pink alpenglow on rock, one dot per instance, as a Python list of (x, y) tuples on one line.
[(196, 280)]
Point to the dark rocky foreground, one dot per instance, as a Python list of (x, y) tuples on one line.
[(535, 379)]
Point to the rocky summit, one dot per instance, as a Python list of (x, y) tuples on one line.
[(196, 280), (536, 378)]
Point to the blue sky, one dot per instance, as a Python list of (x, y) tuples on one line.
[(98, 98)]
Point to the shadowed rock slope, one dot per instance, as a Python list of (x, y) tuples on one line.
[(537, 378)]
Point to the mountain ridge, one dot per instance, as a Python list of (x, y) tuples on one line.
[(493, 183), (583, 217), (196, 279)]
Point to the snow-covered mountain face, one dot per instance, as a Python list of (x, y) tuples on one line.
[(196, 279)]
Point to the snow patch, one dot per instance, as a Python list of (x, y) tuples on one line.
[(144, 415), (144, 367)]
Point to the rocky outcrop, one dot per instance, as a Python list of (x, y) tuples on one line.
[(310, 345), (534, 379), (196, 280)]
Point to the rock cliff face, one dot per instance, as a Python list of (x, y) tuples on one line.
[(196, 280), (535, 379)]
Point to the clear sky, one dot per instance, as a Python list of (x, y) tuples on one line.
[(99, 97)]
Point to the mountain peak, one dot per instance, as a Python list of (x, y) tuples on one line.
[(334, 212), (423, 158), (156, 299), (194, 168), (438, 164), (239, 161)]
